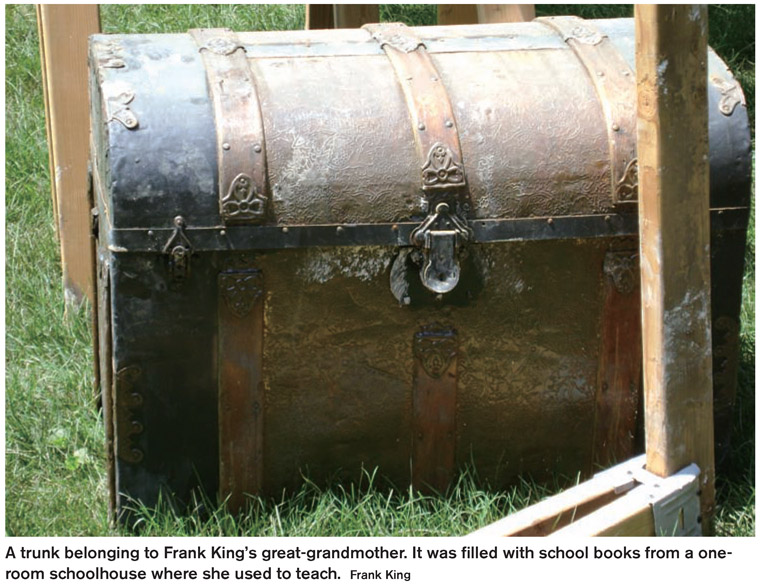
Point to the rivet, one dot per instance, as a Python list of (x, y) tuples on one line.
[(150, 233), (449, 124), (607, 218), (222, 232), (339, 230), (626, 73), (421, 126), (394, 228), (226, 146), (615, 127), (550, 221), (600, 74), (284, 229), (257, 148), (434, 78)]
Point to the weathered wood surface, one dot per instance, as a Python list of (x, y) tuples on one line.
[(63, 31), (352, 16), (488, 13), (319, 16), (671, 43)]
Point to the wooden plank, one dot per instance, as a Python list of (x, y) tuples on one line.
[(619, 379), (241, 388), (564, 508), (453, 14), (63, 32), (492, 13), (671, 43), (629, 516), (351, 16), (319, 16), (434, 404)]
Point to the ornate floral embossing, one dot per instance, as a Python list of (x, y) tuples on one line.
[(128, 425), (435, 347), (622, 267), (441, 169), (627, 189), (240, 291), (243, 202), (731, 95)]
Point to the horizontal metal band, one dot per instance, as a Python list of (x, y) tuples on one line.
[(241, 238)]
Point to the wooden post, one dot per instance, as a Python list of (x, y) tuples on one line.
[(453, 14), (319, 16), (351, 16), (63, 32), (671, 54), (491, 13)]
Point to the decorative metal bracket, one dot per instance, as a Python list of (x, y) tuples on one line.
[(731, 95), (442, 170), (241, 290), (118, 109), (243, 201), (435, 346), (622, 267), (440, 236), (179, 250), (627, 189)]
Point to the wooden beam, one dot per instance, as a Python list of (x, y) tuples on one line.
[(320, 16), (671, 54), (492, 13), (351, 16), (563, 509), (63, 32), (454, 14)]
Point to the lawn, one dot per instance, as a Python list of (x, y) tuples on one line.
[(55, 459)]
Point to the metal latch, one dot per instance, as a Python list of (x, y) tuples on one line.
[(440, 236), (179, 250)]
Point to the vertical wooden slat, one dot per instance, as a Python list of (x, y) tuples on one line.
[(619, 359), (453, 14), (241, 402), (351, 16), (491, 13), (319, 16), (671, 43), (63, 31), (434, 408)]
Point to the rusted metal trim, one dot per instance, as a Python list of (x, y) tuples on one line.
[(241, 395), (615, 85), (434, 407), (619, 376), (239, 127), (432, 117), (220, 238)]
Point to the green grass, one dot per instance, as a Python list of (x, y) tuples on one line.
[(55, 461)]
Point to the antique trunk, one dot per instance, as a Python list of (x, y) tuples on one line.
[(393, 248)]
